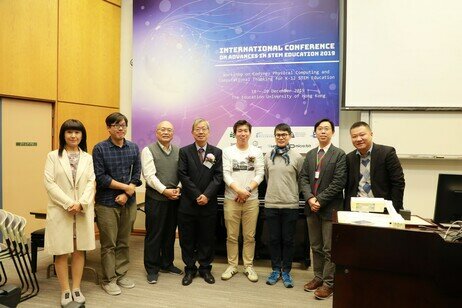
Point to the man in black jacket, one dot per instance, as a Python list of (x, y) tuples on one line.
[(322, 180), (374, 170), (200, 171)]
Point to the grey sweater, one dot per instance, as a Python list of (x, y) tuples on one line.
[(282, 191)]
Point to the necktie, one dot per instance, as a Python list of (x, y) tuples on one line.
[(318, 170), (320, 156), (200, 153)]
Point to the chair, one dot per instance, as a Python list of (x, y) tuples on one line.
[(6, 229), (23, 246), (12, 227), (37, 239), (4, 252)]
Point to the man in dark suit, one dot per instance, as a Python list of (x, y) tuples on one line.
[(374, 170), (322, 180), (200, 171)]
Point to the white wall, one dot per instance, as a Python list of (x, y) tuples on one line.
[(421, 175)]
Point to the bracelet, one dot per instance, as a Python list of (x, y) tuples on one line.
[(248, 189)]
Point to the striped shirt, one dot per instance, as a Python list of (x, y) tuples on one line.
[(121, 164)]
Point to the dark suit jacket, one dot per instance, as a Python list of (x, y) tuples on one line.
[(197, 179), (387, 177), (332, 179)]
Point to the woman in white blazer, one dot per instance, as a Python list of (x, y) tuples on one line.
[(70, 183)]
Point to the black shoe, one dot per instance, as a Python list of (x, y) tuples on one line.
[(152, 278), (172, 269), (208, 277), (187, 279)]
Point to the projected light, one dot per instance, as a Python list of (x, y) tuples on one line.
[(177, 73)]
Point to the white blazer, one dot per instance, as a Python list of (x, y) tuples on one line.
[(62, 193)]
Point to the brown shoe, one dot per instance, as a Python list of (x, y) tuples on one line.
[(312, 285), (323, 292)]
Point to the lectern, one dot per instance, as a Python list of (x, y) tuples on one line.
[(385, 267)]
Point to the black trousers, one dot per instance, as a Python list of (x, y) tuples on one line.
[(161, 223), (197, 241), (281, 227)]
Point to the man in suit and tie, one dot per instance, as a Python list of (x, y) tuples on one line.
[(322, 180), (373, 170), (200, 171)]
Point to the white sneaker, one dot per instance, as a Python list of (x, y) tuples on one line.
[(66, 298), (229, 273), (126, 283), (111, 288), (78, 296), (251, 274)]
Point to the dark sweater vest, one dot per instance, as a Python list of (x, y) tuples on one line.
[(166, 170)]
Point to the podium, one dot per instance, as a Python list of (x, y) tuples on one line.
[(385, 267)]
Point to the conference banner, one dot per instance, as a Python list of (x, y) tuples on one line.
[(267, 62)]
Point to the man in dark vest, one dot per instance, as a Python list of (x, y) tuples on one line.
[(159, 163)]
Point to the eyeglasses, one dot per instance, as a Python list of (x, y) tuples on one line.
[(323, 129), (119, 126), (165, 130), (201, 129), (283, 135)]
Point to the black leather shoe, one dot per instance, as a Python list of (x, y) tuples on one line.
[(187, 279), (208, 277)]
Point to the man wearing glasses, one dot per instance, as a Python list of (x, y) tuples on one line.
[(200, 171), (117, 170), (322, 180), (159, 163)]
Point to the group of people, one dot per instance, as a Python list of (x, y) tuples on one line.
[(74, 200), (181, 191)]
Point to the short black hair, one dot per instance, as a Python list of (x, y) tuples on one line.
[(324, 120), (115, 118), (72, 124), (359, 124), (242, 123), (283, 127)]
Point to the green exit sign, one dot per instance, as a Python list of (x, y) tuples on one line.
[(26, 144)]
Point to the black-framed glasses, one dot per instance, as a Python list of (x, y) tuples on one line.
[(283, 135), (119, 126)]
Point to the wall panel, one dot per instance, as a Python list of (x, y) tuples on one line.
[(91, 116), (89, 52), (28, 48), (116, 2)]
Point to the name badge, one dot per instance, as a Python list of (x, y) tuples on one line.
[(316, 175), (208, 164)]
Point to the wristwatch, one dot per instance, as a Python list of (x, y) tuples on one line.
[(248, 189)]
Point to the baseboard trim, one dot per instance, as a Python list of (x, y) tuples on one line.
[(139, 232)]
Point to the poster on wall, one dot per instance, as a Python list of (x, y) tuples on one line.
[(267, 62)]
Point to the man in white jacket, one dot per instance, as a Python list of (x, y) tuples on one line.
[(243, 171)]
